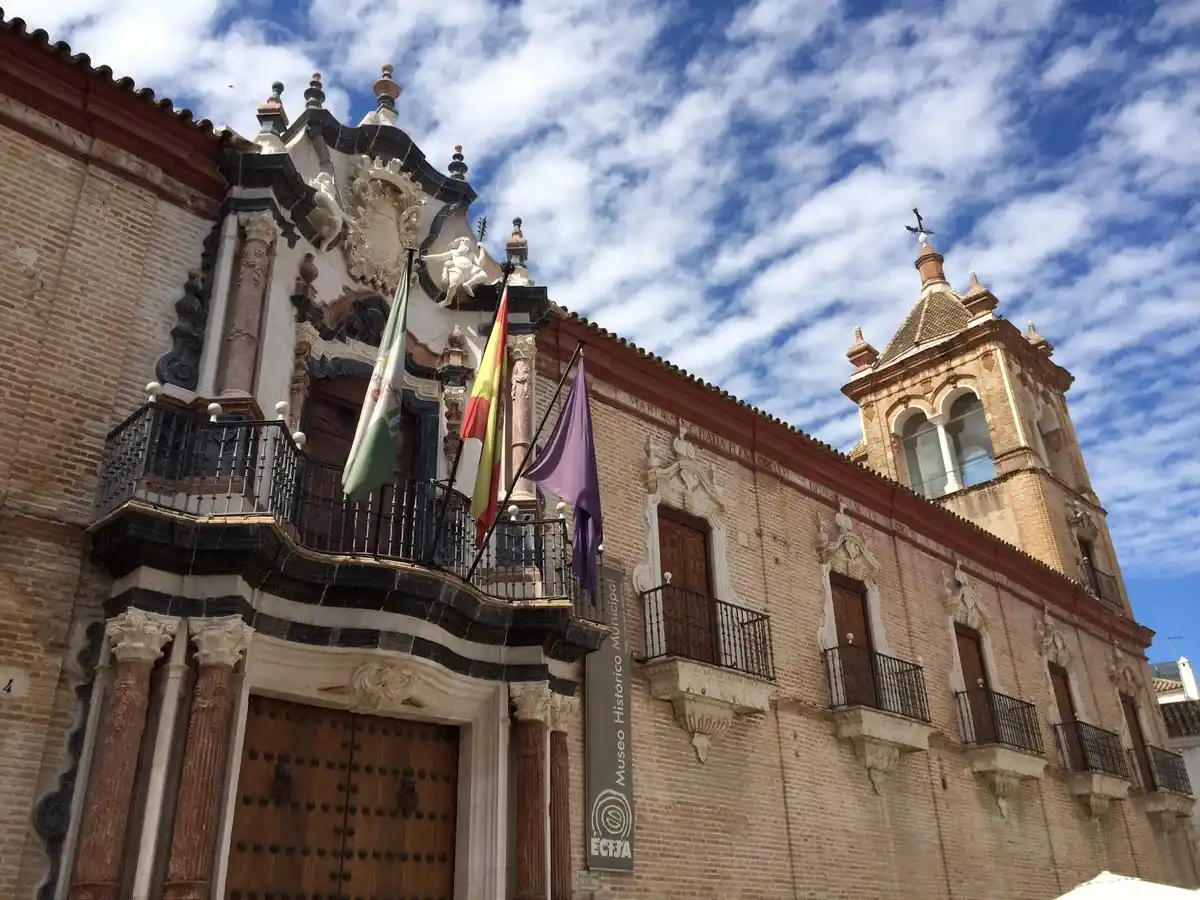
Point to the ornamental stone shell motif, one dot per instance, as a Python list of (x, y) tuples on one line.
[(381, 222)]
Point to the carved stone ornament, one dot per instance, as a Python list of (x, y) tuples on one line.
[(962, 600), (705, 699), (697, 477), (532, 700), (563, 710), (1080, 519), (220, 641), (462, 269), (259, 226), (1053, 644), (381, 216), (374, 684), (879, 739), (843, 550), (327, 217), (136, 635), (1122, 673), (1003, 770)]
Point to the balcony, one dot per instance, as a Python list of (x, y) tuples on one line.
[(1163, 777), (1004, 741), (1182, 719), (183, 493), (711, 659), (1098, 771), (1101, 584), (880, 706)]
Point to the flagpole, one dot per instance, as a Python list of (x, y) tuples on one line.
[(524, 462), (407, 283), (507, 268)]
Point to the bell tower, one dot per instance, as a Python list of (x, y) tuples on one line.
[(970, 412)]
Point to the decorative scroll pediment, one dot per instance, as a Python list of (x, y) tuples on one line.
[(843, 550), (1082, 522), (381, 684), (382, 213), (695, 477), (961, 599), (1122, 673), (1053, 641)]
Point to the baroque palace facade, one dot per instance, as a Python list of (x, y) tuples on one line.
[(909, 672)]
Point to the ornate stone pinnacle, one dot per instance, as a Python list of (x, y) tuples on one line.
[(457, 167), (314, 97)]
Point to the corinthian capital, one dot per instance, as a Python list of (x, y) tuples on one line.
[(139, 636), (523, 347), (259, 226), (220, 641), (532, 700)]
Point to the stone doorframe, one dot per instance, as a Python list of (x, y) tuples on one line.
[(375, 682)]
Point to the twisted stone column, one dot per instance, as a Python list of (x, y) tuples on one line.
[(523, 351), (562, 709), (137, 639), (247, 304), (220, 643), (532, 701)]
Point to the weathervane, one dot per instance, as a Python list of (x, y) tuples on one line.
[(482, 225), (920, 231)]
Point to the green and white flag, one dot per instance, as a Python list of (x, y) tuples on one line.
[(372, 460)]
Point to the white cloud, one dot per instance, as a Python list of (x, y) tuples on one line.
[(731, 193)]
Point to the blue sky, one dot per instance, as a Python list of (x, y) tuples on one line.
[(727, 184)]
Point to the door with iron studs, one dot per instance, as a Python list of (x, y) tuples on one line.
[(333, 805)]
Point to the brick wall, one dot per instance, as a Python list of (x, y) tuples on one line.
[(90, 267), (784, 809)]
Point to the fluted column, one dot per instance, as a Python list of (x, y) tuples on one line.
[(137, 639), (220, 643), (523, 351), (952, 480), (532, 702), (247, 302), (562, 710)]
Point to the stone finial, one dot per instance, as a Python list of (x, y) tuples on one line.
[(271, 114), (305, 277), (314, 97), (517, 246), (386, 90), (1037, 341), (929, 263), (978, 299), (457, 167), (153, 390), (861, 354), (455, 353)]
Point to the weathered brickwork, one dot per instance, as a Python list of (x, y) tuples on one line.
[(782, 808), (90, 268)]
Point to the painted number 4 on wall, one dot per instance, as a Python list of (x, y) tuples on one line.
[(14, 683)]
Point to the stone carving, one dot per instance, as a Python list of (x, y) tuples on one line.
[(1080, 519), (532, 700), (962, 600), (697, 477), (220, 641), (461, 270), (1122, 673), (843, 550), (562, 710), (327, 218), (381, 222), (301, 381), (454, 402), (523, 350), (1053, 643), (181, 364), (705, 700), (373, 684), (356, 315), (259, 226), (139, 636), (877, 758)]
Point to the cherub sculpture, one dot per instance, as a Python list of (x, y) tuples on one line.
[(460, 270)]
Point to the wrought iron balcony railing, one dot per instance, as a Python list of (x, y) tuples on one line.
[(1182, 719), (694, 626), (175, 460), (1086, 748), (1160, 770), (862, 677), (1102, 584), (989, 717)]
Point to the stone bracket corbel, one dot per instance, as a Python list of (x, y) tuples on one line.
[(705, 698), (1003, 770), (1096, 790), (881, 738), (1168, 811)]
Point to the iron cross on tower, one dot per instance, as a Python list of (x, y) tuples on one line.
[(920, 231)]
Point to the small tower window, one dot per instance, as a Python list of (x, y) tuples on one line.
[(923, 456), (971, 441)]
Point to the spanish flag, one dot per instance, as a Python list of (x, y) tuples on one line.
[(482, 425)]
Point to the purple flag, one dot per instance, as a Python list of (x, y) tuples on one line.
[(567, 468)]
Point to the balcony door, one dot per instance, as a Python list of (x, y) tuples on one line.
[(1141, 755), (689, 617), (855, 644), (329, 523), (975, 679), (1068, 719)]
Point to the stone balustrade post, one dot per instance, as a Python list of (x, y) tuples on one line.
[(247, 302), (220, 644), (562, 711), (137, 639), (532, 702)]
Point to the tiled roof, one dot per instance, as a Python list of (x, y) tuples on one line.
[(1166, 685), (81, 60), (936, 315)]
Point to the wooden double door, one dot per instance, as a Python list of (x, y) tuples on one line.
[(333, 805), (689, 612)]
